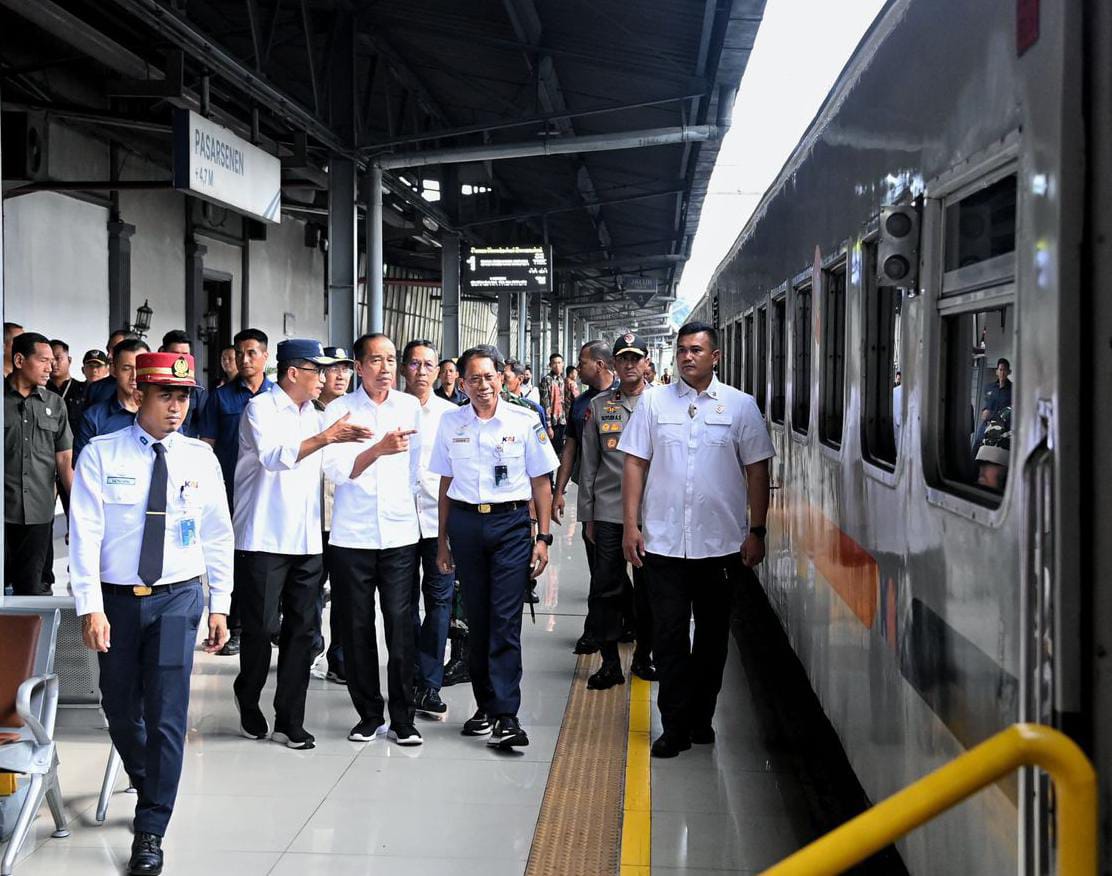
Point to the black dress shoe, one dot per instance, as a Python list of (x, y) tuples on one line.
[(231, 647), (667, 746), (146, 855), (703, 735), (643, 668), (608, 675), (585, 645)]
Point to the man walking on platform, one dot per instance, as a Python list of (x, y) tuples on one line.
[(278, 541), (552, 400), (117, 411), (697, 453), (147, 518), (374, 539)]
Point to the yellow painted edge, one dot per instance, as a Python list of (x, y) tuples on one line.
[(637, 809)]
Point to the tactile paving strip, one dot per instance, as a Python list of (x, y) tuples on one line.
[(579, 831)]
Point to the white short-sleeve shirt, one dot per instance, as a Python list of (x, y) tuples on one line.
[(428, 481), (695, 503), (492, 460)]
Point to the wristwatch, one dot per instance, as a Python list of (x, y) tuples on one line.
[(759, 531), (545, 537)]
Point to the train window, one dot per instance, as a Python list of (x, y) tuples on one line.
[(779, 357), (833, 356), (748, 381), (801, 359), (883, 400), (761, 358), (977, 401), (981, 226), (737, 375)]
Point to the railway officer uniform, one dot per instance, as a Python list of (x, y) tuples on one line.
[(148, 517), (600, 501), (490, 463), (694, 506)]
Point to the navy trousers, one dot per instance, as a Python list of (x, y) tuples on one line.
[(608, 604), (335, 655), (492, 553), (430, 635), (144, 688)]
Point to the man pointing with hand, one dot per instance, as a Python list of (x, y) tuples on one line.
[(374, 540)]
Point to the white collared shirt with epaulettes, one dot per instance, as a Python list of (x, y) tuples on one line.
[(696, 502), (277, 496), (375, 511), (108, 506), (428, 481), (492, 461)]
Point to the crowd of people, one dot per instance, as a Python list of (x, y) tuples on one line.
[(430, 483)]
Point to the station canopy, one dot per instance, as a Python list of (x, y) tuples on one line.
[(386, 80)]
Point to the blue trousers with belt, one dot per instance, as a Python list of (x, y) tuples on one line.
[(144, 687), (492, 554)]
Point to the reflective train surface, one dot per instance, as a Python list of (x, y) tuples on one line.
[(912, 305)]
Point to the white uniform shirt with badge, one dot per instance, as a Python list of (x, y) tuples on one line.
[(698, 444), (108, 508), (277, 497), (428, 481), (492, 460), (375, 511)]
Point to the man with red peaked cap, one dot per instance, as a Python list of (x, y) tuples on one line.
[(148, 517)]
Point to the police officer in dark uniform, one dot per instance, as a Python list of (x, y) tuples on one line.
[(148, 517), (493, 458)]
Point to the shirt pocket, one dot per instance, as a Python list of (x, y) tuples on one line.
[(672, 430), (461, 449), (126, 503), (717, 429), (513, 457)]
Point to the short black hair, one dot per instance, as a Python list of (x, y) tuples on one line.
[(696, 327), (57, 343), (1004, 362), (228, 347), (518, 368), (25, 343), (122, 332), (414, 344), (130, 345), (600, 351), (481, 351), (552, 356), (251, 334), (360, 347), (444, 362), (10, 327), (176, 336)]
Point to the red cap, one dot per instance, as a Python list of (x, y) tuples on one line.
[(165, 369)]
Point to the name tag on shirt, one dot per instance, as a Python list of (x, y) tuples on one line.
[(119, 481)]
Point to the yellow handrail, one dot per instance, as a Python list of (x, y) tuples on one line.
[(1019, 745)]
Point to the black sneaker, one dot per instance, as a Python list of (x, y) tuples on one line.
[(585, 645), (507, 733), (608, 675), (643, 668), (294, 737), (428, 703), (366, 731), (478, 724), (336, 675), (231, 647), (405, 734), (667, 746), (146, 855), (252, 722), (703, 735)]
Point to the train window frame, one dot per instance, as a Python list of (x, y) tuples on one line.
[(736, 366), (761, 359), (802, 364), (986, 287), (877, 406), (748, 322), (778, 355), (832, 353)]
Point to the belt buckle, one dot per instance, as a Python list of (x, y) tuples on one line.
[(484, 508), (141, 590)]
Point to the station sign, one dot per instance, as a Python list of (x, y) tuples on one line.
[(509, 269), (213, 163), (640, 290)]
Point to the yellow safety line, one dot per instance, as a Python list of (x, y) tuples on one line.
[(637, 813)]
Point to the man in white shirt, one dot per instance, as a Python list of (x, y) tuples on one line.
[(493, 458), (278, 537), (697, 452), (373, 542), (419, 361), (148, 517)]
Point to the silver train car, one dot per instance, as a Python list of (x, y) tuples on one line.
[(908, 306)]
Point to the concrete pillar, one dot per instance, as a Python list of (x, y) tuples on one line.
[(504, 323), (536, 329), (555, 321), (119, 275)]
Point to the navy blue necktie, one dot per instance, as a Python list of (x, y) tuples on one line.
[(154, 529)]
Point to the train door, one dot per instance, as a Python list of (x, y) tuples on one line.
[(218, 324)]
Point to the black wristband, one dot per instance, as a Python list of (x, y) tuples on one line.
[(759, 531)]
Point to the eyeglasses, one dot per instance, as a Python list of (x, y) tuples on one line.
[(480, 379), (417, 365), (333, 370), (315, 369)]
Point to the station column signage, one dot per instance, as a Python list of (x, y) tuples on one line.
[(213, 163), (509, 269), (640, 290)]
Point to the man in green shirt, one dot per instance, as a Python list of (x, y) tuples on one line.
[(37, 451)]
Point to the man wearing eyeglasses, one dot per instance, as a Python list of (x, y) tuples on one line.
[(373, 543), (278, 537), (420, 365)]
